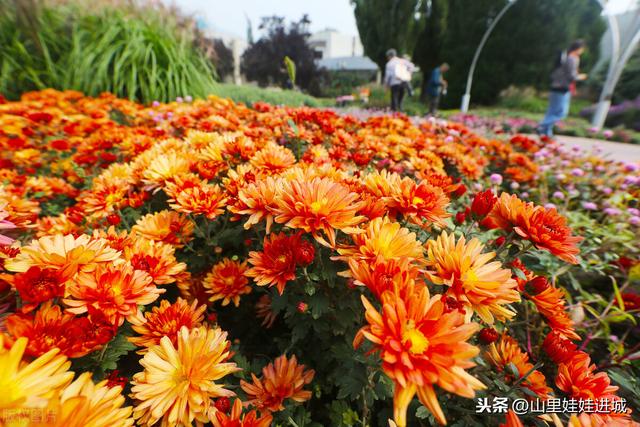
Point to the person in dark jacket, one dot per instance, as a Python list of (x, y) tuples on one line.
[(563, 79), (436, 87)]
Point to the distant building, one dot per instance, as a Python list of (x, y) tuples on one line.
[(332, 44), (348, 63)]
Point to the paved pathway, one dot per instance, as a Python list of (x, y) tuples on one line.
[(611, 150)]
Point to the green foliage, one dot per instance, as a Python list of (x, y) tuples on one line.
[(69, 47), (386, 24), (251, 94), (517, 53), (291, 69)]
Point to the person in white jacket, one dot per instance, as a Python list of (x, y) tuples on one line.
[(396, 76)]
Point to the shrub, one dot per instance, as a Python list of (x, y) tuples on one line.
[(72, 47)]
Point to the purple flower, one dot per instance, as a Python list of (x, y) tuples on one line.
[(577, 172), (634, 211), (496, 178), (607, 133), (607, 190), (448, 139), (188, 98), (600, 168), (631, 167), (634, 220), (561, 176), (593, 130), (514, 185), (565, 163), (155, 103), (590, 206), (574, 193), (549, 206), (179, 99), (558, 195), (477, 186), (612, 211), (524, 195)]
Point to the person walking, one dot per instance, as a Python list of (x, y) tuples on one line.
[(436, 87), (563, 82), (396, 75)]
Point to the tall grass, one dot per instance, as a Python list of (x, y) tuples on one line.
[(142, 58)]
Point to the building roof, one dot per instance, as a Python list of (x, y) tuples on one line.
[(348, 63)]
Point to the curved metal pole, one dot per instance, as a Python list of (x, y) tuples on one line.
[(466, 99), (616, 66)]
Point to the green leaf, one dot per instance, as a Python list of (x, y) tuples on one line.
[(115, 349)]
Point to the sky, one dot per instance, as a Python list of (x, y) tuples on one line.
[(229, 16)]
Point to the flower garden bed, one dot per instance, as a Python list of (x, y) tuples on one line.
[(206, 262)]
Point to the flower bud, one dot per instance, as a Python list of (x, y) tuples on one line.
[(488, 335)]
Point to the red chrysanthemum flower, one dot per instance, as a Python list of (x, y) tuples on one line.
[(236, 419), (558, 348), (276, 264), (50, 328), (578, 379), (37, 285)]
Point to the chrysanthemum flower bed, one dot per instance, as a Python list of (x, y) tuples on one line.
[(206, 262)]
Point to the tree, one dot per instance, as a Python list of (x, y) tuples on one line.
[(223, 59), (263, 61), (521, 50), (430, 45), (385, 24)]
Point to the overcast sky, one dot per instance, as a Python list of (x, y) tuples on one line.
[(229, 15)]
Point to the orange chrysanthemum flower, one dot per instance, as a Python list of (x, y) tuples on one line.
[(320, 205), (104, 197), (385, 239), (380, 276), (508, 352), (483, 286), (157, 259), (114, 291), (165, 226), (276, 264), (545, 228), (68, 254), (178, 383), (551, 305), (30, 385), (273, 159), (49, 328), (282, 379), (205, 199), (83, 403), (419, 202), (236, 419), (506, 212), (227, 282), (577, 378), (258, 200), (166, 321), (421, 344), (548, 230), (115, 239), (164, 168)]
